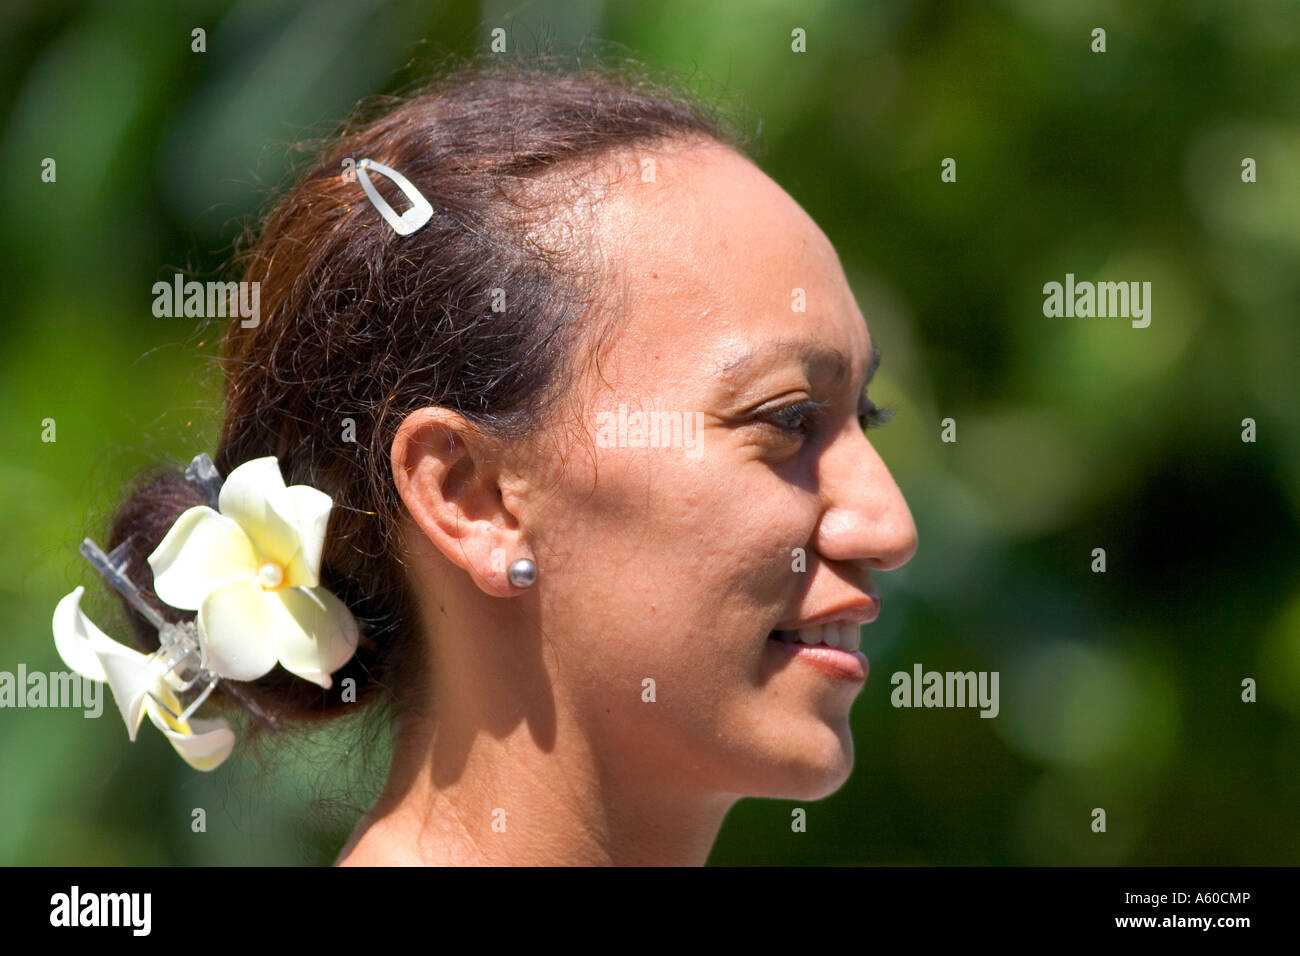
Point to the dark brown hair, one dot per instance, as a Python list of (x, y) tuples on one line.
[(358, 323)]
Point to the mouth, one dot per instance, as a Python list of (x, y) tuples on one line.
[(831, 648), (841, 635)]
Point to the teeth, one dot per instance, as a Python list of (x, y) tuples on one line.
[(840, 634), (851, 636)]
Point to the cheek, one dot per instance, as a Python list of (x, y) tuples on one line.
[(672, 569), (654, 525), (667, 576)]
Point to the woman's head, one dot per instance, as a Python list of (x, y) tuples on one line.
[(598, 249)]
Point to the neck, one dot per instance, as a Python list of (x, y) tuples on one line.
[(525, 793), (498, 766)]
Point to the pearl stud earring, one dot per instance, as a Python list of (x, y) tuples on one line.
[(522, 573)]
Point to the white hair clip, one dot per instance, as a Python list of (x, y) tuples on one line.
[(252, 572), (411, 220)]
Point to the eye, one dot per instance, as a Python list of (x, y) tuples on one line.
[(872, 417), (801, 419), (798, 420)]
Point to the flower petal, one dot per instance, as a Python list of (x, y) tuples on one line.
[(93, 654), (203, 744), (315, 633), (76, 637), (131, 677), (236, 630), (202, 552), (254, 496), (311, 510)]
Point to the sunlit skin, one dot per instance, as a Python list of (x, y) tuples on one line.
[(653, 564)]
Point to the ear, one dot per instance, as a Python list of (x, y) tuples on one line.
[(446, 478)]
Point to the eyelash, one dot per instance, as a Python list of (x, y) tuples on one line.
[(803, 418)]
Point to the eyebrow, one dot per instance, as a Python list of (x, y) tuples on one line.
[(816, 354)]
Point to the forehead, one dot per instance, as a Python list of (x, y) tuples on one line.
[(709, 260)]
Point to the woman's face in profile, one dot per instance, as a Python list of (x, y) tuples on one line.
[(675, 564)]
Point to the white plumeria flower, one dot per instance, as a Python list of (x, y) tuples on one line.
[(133, 677), (252, 571)]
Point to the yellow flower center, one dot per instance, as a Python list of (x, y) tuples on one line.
[(270, 575)]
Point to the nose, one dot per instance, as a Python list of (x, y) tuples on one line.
[(865, 519)]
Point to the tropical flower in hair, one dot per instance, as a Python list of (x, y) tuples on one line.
[(141, 685), (252, 572)]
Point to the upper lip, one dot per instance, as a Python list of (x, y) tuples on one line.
[(856, 612)]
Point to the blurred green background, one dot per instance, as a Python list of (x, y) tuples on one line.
[(1119, 690)]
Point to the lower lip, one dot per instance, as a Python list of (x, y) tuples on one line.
[(846, 665)]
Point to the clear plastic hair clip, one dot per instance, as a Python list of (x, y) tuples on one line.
[(181, 657), (179, 651), (204, 474), (112, 567), (411, 220)]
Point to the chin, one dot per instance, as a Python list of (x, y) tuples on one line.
[(816, 770)]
